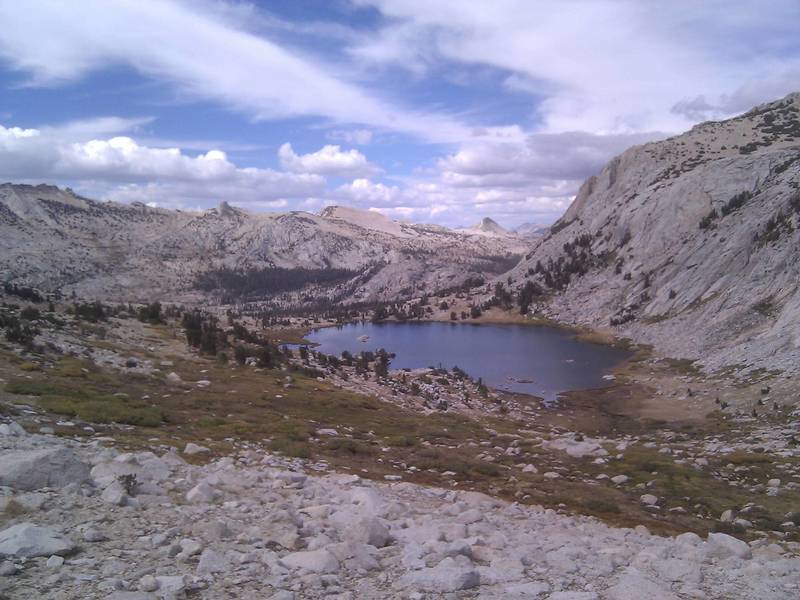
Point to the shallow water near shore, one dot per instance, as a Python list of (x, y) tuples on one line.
[(538, 360)]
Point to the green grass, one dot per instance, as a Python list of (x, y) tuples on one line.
[(85, 401), (103, 409), (602, 506), (295, 449), (36, 387), (446, 460), (71, 367), (401, 441), (211, 422), (348, 446)]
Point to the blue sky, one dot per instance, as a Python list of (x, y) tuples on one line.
[(438, 110)]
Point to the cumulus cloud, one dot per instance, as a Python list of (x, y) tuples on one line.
[(185, 195), (34, 154), (363, 192), (329, 160)]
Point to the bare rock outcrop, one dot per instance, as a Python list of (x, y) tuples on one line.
[(48, 467), (690, 244)]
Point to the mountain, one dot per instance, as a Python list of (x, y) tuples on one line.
[(56, 240), (487, 227), (690, 244), (531, 230), (367, 219)]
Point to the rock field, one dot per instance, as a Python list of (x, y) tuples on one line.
[(85, 520)]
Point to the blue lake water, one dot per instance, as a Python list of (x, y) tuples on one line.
[(547, 360)]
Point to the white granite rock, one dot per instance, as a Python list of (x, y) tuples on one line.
[(722, 545), (48, 467), (28, 540), (316, 561), (191, 448)]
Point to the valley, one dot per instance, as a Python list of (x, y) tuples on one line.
[(665, 450), (342, 405)]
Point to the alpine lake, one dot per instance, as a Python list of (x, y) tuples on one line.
[(538, 360)]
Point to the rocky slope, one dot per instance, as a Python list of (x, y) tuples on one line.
[(54, 239), (86, 521), (690, 244)]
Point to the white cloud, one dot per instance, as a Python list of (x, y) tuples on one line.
[(494, 178), (202, 52), (87, 129), (17, 133), (364, 193), (533, 179), (360, 137), (599, 74), (188, 195), (602, 65), (538, 157), (33, 154), (329, 160)]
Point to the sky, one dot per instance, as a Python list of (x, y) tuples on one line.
[(439, 111)]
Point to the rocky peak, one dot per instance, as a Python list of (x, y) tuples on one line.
[(489, 224), (367, 219), (487, 227), (226, 210)]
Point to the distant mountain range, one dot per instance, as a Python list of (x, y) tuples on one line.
[(55, 239), (532, 230), (489, 227)]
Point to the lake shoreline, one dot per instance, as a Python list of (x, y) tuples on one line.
[(539, 361)]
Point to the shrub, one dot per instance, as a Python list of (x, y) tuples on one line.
[(26, 293), (794, 202), (764, 307), (526, 295), (150, 313), (708, 220), (90, 311), (30, 313), (128, 482), (736, 202), (20, 334)]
